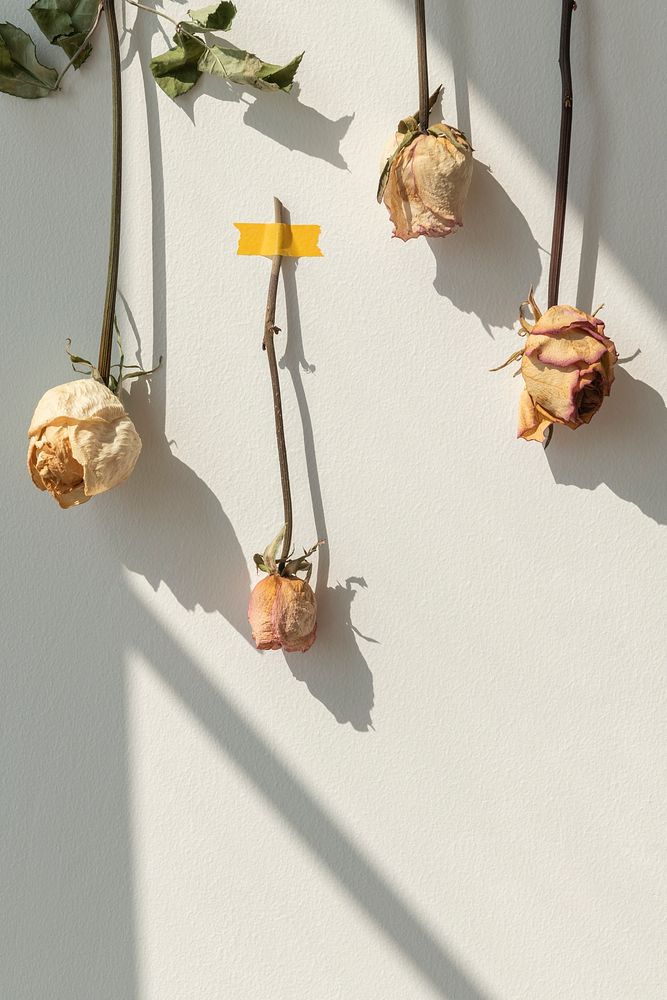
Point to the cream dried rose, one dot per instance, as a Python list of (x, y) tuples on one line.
[(567, 366), (82, 442), (426, 179)]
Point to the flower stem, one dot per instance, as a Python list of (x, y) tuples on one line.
[(106, 336), (569, 6), (82, 46), (270, 330), (423, 65)]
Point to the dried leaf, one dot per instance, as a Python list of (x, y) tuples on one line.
[(66, 24), (238, 66), (176, 71), (216, 17), (21, 73)]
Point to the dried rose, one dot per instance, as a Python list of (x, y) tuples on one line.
[(567, 367), (82, 442), (283, 610), (283, 613), (426, 179)]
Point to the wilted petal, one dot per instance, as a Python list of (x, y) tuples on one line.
[(283, 613), (82, 442), (427, 186)]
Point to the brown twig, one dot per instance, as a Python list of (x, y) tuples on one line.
[(422, 62), (562, 176), (569, 6), (270, 330), (106, 336)]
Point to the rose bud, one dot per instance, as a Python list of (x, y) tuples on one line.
[(82, 442), (282, 613), (567, 367), (425, 180), (283, 610)]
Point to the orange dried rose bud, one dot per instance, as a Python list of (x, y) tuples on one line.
[(82, 442), (428, 181), (568, 369), (283, 613)]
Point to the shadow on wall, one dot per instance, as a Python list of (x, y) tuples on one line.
[(68, 929), (488, 266), (622, 447), (309, 820), (334, 670), (510, 54)]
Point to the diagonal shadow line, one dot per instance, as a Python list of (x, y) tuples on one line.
[(307, 818)]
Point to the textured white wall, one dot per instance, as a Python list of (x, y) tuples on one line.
[(459, 792)]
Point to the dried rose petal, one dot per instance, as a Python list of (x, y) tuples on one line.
[(567, 368), (428, 183), (283, 613), (82, 442)]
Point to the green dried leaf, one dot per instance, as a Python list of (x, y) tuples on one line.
[(21, 73), (216, 17), (66, 24), (384, 176), (176, 70), (238, 66)]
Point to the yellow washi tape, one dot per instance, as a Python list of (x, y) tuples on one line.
[(272, 239)]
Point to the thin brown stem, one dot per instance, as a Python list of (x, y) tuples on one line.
[(106, 336), (569, 6), (422, 62), (270, 330), (80, 49)]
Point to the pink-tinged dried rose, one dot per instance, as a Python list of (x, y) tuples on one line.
[(568, 369), (283, 613), (426, 180), (82, 442)]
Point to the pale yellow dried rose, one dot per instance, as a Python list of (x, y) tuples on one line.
[(567, 366), (426, 180), (82, 442)]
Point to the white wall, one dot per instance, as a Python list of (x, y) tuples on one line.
[(459, 792)]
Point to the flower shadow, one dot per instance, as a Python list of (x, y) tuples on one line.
[(475, 269), (621, 447), (334, 670)]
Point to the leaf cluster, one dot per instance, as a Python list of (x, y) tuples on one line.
[(178, 69), (70, 24)]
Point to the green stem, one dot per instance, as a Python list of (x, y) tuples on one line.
[(106, 337)]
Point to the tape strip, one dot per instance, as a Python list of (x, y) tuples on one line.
[(272, 239)]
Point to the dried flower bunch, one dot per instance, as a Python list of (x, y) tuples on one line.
[(70, 24), (567, 366), (426, 178), (283, 610)]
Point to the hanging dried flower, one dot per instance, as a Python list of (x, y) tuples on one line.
[(283, 610), (426, 179), (567, 366), (82, 442)]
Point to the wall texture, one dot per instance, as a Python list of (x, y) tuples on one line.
[(459, 792)]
